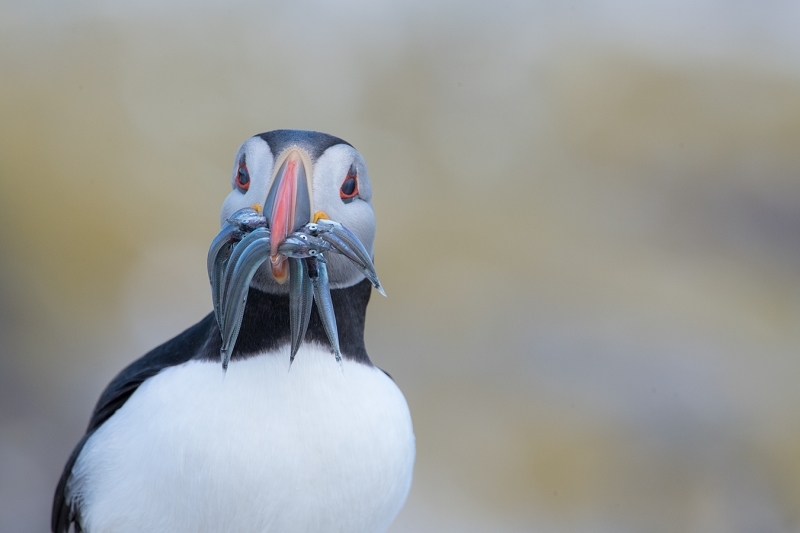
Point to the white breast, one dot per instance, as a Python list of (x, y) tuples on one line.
[(262, 449)]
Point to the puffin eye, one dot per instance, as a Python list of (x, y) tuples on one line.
[(349, 188), (242, 177)]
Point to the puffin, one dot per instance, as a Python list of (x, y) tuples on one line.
[(298, 432)]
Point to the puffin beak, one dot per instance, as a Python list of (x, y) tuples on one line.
[(287, 208)]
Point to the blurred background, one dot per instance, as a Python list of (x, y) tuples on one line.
[(588, 227)]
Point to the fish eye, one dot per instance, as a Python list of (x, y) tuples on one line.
[(349, 188), (242, 177)]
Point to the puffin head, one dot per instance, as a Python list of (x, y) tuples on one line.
[(295, 177)]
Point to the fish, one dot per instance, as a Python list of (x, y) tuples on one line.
[(322, 296), (243, 245), (301, 294), (255, 252), (345, 242), (300, 246), (247, 219), (258, 233), (367, 268), (218, 254)]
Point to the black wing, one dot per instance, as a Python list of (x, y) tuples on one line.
[(176, 351)]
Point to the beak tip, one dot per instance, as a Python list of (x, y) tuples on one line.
[(279, 268)]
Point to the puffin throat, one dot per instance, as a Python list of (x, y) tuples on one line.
[(290, 204)]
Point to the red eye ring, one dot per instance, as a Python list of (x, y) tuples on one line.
[(349, 188), (242, 177)]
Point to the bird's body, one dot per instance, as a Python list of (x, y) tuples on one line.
[(314, 449), (177, 445)]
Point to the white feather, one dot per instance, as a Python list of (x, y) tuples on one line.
[(259, 165), (357, 216), (317, 448)]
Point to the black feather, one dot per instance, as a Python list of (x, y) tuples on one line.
[(314, 142)]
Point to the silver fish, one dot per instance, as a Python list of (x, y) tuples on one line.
[(322, 295), (301, 295), (256, 234), (218, 254), (300, 245), (352, 246), (255, 252), (233, 264), (247, 219), (341, 247), (312, 228)]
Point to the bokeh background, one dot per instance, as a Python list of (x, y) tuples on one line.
[(589, 231)]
